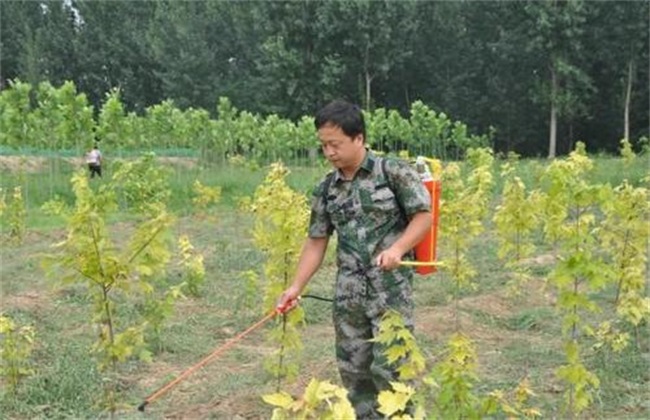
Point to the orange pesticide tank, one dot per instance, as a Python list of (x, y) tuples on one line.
[(425, 250)]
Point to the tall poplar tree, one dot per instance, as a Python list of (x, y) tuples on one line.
[(373, 38), (619, 55), (37, 42), (555, 33), (19, 48), (113, 52), (180, 39)]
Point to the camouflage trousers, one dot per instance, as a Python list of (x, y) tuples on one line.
[(362, 298)]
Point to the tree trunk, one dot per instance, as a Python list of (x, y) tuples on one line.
[(552, 142), (407, 97), (367, 75), (368, 84), (628, 96)]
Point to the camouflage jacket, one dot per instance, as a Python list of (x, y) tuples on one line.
[(368, 211)]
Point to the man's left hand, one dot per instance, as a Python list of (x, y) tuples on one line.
[(389, 259)]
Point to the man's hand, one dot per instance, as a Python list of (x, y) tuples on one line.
[(288, 300), (389, 259)]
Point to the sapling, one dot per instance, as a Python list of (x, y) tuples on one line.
[(113, 275), (16, 215), (624, 237), (281, 217), (16, 346), (321, 400), (570, 206), (516, 219)]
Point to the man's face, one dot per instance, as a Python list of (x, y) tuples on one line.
[(342, 151)]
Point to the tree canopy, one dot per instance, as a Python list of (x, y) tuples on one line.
[(538, 75)]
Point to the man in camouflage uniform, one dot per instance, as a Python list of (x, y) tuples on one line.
[(379, 210)]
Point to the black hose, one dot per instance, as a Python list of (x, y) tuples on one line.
[(318, 298)]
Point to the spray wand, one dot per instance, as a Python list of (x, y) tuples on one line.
[(217, 352)]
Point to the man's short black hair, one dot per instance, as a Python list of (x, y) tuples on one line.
[(342, 114)]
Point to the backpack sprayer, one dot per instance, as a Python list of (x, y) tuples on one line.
[(425, 251)]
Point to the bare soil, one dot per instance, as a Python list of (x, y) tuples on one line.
[(36, 164)]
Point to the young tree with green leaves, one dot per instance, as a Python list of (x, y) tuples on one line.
[(16, 348), (15, 216), (571, 204), (116, 272), (517, 219), (281, 218)]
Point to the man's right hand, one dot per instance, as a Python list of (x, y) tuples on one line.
[(288, 300)]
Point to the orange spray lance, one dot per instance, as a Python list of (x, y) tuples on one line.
[(280, 310)]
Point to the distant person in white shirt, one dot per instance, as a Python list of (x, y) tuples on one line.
[(94, 161)]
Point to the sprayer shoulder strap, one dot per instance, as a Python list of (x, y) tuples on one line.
[(386, 173), (326, 185), (330, 176)]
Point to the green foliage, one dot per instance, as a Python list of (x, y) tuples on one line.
[(251, 280), (281, 217), (463, 207), (63, 120), (89, 257), (452, 383), (3, 202), (15, 215), (16, 346), (204, 196), (624, 235), (141, 185), (453, 379), (287, 58), (192, 265), (15, 122), (425, 133), (582, 382), (113, 129), (607, 336), (627, 153), (565, 185), (393, 403), (321, 400), (163, 125), (516, 220), (401, 348), (515, 405), (571, 203), (156, 309), (76, 124), (54, 207)]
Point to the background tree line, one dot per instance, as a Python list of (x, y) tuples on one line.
[(538, 75)]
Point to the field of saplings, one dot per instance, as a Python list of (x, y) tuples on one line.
[(113, 287), (154, 286)]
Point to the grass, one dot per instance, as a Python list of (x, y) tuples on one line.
[(515, 337)]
